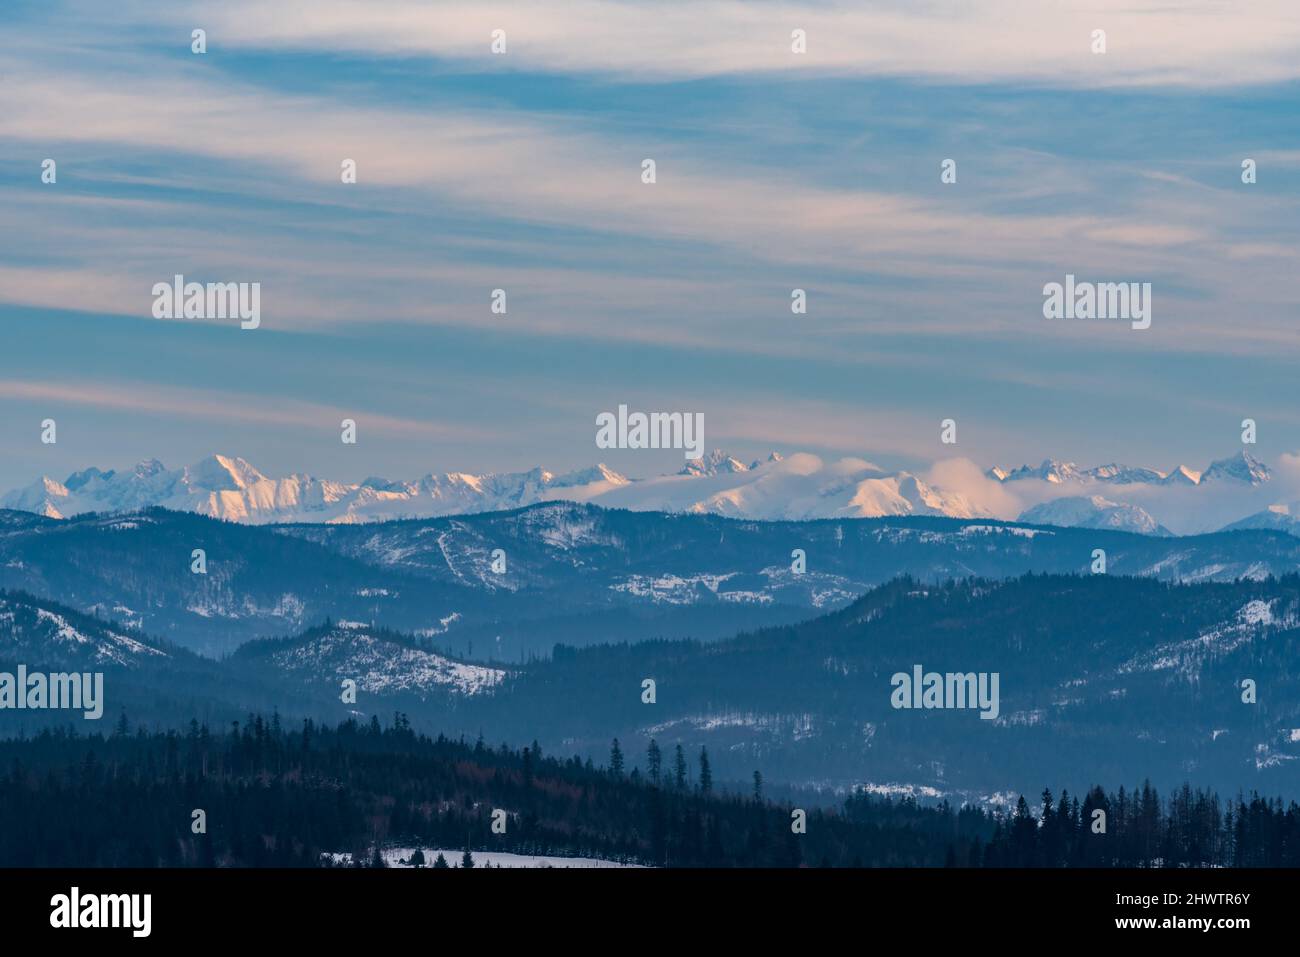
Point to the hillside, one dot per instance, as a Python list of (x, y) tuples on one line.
[(574, 574)]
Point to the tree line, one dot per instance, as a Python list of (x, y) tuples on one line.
[(256, 794)]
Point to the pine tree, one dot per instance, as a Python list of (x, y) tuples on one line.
[(467, 860), (440, 863), (706, 775), (758, 788), (654, 761), (616, 759), (679, 769)]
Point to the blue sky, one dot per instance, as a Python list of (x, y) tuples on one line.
[(522, 172)]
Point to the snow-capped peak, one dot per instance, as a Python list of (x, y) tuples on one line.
[(1242, 467), (597, 473), (145, 469), (1093, 511), (802, 486), (1049, 471), (80, 479), (43, 497), (1282, 517), (1124, 474), (715, 463), (1182, 475), (220, 473)]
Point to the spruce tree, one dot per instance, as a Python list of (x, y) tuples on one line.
[(654, 761), (616, 759)]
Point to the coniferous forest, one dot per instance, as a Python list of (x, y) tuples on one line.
[(279, 797)]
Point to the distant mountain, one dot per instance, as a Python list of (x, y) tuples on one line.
[(714, 463), (1181, 475), (1242, 467), (1093, 511), (1050, 471), (1059, 473), (571, 573), (1143, 499), (233, 489), (1281, 518), (1124, 474), (794, 488), (800, 487)]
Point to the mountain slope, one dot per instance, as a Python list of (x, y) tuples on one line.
[(46, 634), (380, 662), (1281, 518)]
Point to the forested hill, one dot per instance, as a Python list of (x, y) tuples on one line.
[(273, 797), (1100, 678), (512, 584)]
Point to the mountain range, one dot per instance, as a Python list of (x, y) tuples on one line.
[(1100, 677), (512, 584), (1237, 491), (771, 643)]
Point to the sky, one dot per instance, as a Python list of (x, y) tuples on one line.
[(522, 171)]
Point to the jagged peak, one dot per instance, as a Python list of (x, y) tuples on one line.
[(714, 463), (1241, 467)]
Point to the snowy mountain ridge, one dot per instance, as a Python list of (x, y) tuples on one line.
[(1230, 491)]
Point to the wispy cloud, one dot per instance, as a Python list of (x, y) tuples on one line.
[(1175, 42), (225, 407), (562, 175), (775, 171)]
